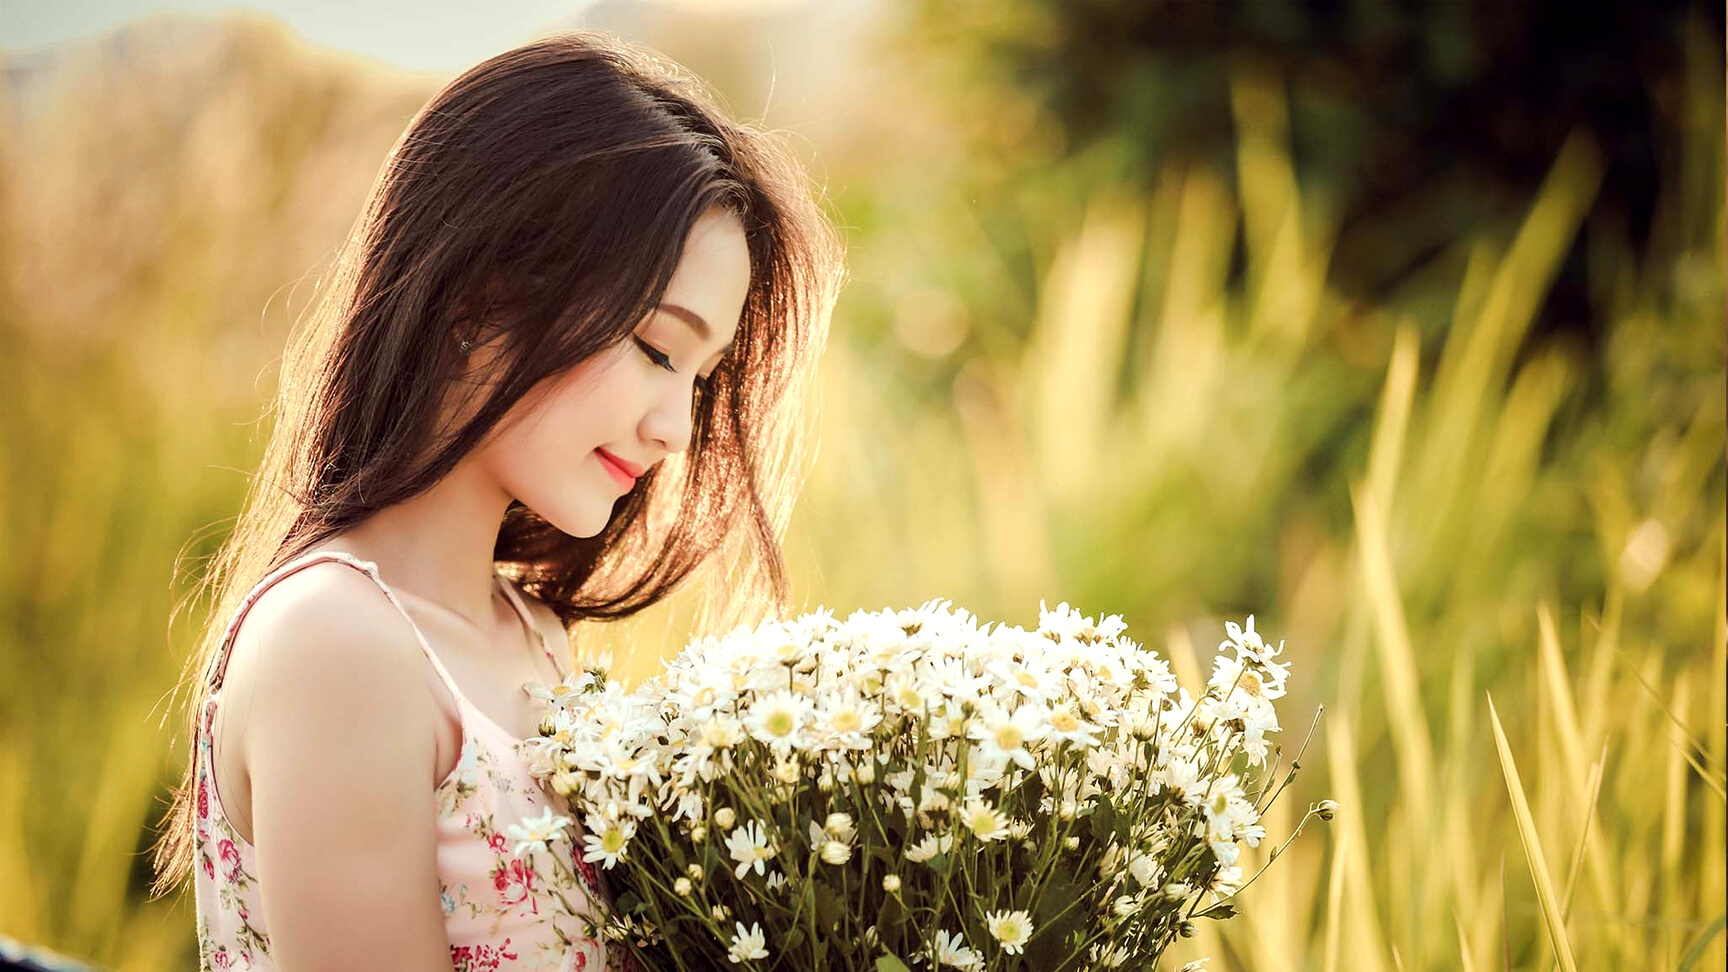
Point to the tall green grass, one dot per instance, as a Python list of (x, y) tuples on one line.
[(1429, 513)]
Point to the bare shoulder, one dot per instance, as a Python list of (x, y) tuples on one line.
[(325, 636), (338, 766)]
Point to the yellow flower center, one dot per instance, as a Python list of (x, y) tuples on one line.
[(1009, 737), (779, 723)]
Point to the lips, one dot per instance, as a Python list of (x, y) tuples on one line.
[(624, 471)]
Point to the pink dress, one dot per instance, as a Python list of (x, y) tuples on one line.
[(534, 913)]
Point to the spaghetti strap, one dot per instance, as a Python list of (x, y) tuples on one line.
[(219, 664), (521, 606)]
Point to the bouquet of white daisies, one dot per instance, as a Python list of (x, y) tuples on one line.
[(910, 787)]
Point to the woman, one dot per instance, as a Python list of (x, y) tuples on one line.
[(559, 367)]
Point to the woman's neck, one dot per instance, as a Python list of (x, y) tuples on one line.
[(438, 545)]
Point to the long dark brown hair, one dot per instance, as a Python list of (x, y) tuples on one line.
[(540, 203)]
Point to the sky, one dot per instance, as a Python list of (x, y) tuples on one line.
[(423, 35)]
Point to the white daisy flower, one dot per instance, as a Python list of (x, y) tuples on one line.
[(1250, 646), (1145, 869), (747, 944), (1005, 735), (985, 821), (1028, 678), (1248, 677), (533, 832), (1012, 928), (952, 950), (607, 839), (749, 846), (929, 847), (1110, 957), (1256, 723), (845, 720), (832, 850), (1184, 777), (1065, 724), (778, 719)]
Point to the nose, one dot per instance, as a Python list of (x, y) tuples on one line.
[(668, 420)]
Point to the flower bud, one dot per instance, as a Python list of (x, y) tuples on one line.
[(835, 852), (1326, 809), (1187, 929), (1071, 842), (866, 773), (695, 872), (682, 887), (698, 834), (724, 818), (891, 883), (839, 825)]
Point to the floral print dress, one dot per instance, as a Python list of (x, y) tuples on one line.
[(535, 912)]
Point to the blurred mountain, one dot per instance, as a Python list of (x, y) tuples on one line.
[(193, 165)]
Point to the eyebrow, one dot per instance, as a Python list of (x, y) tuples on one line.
[(695, 321)]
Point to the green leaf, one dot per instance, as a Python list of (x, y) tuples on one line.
[(1054, 921), (890, 963), (1696, 952), (1103, 818), (828, 906)]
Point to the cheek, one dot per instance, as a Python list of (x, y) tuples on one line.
[(568, 418), (551, 438)]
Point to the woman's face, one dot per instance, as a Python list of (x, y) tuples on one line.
[(575, 443)]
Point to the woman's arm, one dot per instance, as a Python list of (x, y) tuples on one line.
[(340, 751)]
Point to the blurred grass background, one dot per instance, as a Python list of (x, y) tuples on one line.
[(1399, 326)]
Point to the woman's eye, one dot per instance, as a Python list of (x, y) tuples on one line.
[(654, 355)]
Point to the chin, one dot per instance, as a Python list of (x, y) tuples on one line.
[(582, 521)]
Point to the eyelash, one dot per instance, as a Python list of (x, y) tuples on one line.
[(660, 359)]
